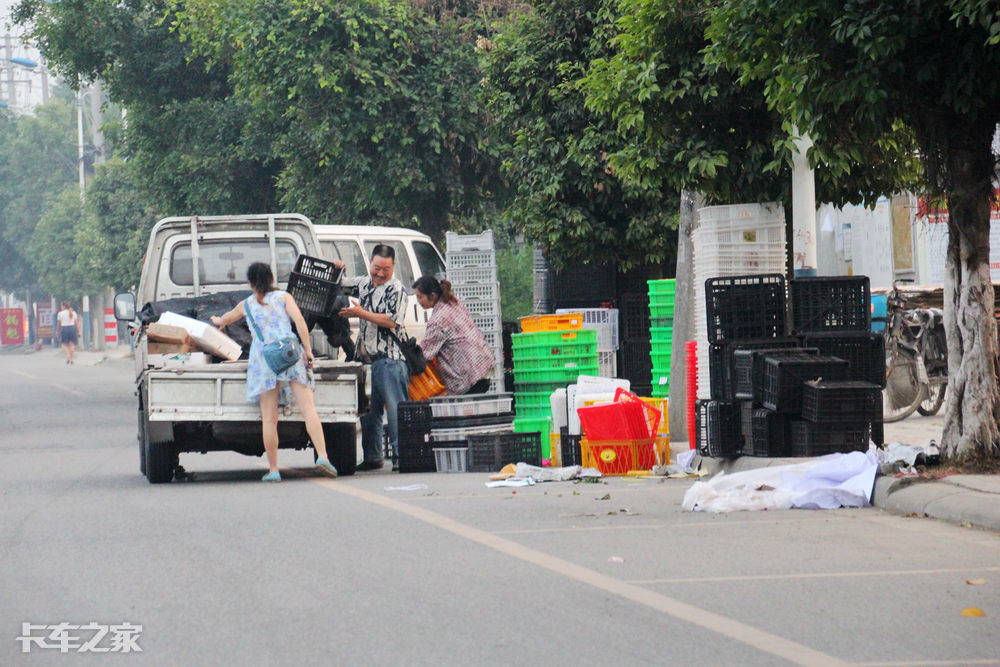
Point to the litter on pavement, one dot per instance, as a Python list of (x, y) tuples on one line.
[(827, 482)]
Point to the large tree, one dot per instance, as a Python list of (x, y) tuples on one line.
[(862, 70), (185, 129), (566, 195), (371, 103)]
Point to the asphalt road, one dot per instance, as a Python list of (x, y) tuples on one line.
[(227, 570)]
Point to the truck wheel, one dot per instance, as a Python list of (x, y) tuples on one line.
[(341, 446), (159, 456)]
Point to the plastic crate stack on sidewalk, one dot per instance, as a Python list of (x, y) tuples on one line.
[(772, 396), (472, 270), (551, 354), (463, 433), (605, 322), (734, 240), (661, 330)]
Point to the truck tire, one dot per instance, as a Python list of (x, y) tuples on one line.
[(158, 458), (342, 446)]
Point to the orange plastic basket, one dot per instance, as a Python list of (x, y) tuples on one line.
[(620, 457), (428, 384), (561, 322)]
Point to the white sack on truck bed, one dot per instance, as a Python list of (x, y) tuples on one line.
[(205, 336)]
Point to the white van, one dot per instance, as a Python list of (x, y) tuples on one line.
[(416, 255)]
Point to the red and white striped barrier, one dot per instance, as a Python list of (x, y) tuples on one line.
[(110, 328)]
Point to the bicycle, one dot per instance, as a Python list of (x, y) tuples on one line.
[(916, 360)]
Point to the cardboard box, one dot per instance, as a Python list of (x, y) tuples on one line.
[(155, 347), (178, 359), (164, 333), (205, 336)]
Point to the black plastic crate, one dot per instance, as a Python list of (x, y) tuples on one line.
[(719, 386), (472, 422), (878, 427), (569, 446), (770, 434), (633, 316), (865, 351), (315, 285), (746, 421), (783, 378), (634, 362), (583, 283), (852, 400), (717, 426), (744, 307), (837, 303), (414, 417), (812, 439), (745, 361), (490, 452)]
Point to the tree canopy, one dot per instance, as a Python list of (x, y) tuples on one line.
[(566, 194)]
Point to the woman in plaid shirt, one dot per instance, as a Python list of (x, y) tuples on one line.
[(465, 361)]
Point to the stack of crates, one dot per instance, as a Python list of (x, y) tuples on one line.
[(605, 322), (661, 330), (734, 240), (549, 356), (472, 270)]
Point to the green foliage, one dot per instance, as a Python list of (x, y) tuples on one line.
[(515, 271), (53, 250), (37, 162), (689, 123), (185, 128), (567, 197), (111, 241), (370, 103)]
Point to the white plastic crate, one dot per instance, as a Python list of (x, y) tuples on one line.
[(494, 339), (472, 275), (451, 459), (487, 323), (472, 405), (496, 385), (469, 242), (607, 364), (453, 434), (482, 308), (477, 292), (752, 213), (465, 260), (604, 321)]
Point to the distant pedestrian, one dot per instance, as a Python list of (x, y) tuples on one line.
[(68, 323), (465, 360), (275, 312)]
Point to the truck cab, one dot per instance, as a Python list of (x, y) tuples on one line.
[(416, 255)]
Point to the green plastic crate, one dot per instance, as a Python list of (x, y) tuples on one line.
[(554, 375), (553, 338), (665, 286), (661, 310), (553, 362)]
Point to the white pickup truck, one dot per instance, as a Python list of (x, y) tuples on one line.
[(202, 407)]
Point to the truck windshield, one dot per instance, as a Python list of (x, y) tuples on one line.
[(226, 262)]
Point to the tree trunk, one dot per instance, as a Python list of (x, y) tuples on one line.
[(973, 400)]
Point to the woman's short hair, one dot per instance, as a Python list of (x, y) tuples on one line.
[(260, 277)]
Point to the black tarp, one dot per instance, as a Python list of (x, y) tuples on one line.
[(202, 308)]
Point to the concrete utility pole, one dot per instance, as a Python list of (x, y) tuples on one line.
[(684, 302), (803, 210)]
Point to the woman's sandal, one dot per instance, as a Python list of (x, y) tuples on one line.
[(271, 477)]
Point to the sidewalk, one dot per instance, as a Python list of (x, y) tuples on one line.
[(81, 357), (968, 500)]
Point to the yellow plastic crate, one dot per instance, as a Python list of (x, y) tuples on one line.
[(622, 457), (560, 322)]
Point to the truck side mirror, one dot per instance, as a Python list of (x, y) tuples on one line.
[(125, 307)]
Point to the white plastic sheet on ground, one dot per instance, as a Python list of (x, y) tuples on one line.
[(827, 482)]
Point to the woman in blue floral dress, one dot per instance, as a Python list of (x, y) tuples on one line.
[(274, 312)]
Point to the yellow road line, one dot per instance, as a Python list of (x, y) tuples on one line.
[(723, 625)]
